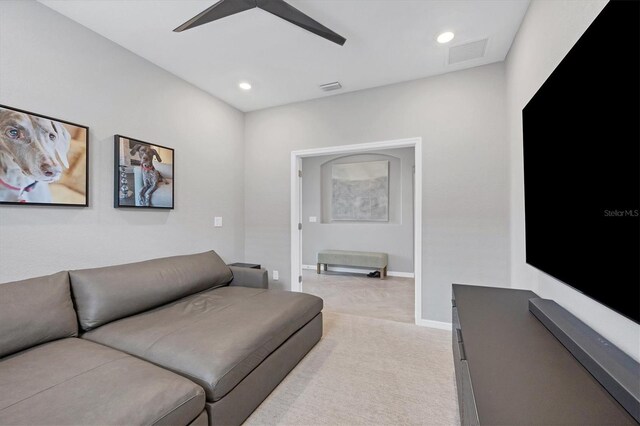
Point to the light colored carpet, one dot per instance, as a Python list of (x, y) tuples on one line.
[(368, 371), (391, 298)]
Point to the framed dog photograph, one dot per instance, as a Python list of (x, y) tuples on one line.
[(43, 160), (143, 174)]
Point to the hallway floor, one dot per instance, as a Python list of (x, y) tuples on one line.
[(356, 294)]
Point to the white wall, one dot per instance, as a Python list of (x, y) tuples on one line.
[(54, 66), (548, 32), (394, 237), (461, 118)]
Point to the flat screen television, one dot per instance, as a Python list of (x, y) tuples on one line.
[(581, 135)]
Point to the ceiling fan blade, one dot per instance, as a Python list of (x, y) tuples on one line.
[(289, 13), (219, 10)]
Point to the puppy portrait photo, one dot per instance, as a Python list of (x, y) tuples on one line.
[(143, 174), (43, 160)]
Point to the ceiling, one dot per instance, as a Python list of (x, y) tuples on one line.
[(388, 41)]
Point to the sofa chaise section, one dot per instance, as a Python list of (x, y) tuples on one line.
[(215, 338), (237, 342), (49, 376)]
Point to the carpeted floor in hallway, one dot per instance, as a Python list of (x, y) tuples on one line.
[(356, 294)]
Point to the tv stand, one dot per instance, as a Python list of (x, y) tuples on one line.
[(614, 369), (511, 370)]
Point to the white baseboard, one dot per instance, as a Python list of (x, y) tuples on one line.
[(400, 274), (361, 271), (434, 324)]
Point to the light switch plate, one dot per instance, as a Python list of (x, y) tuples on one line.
[(313, 219), (276, 276), (217, 222)]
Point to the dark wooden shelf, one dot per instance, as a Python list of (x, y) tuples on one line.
[(512, 371)]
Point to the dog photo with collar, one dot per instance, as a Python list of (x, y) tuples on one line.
[(143, 174), (43, 160)]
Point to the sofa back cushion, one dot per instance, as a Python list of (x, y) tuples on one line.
[(35, 311), (106, 294)]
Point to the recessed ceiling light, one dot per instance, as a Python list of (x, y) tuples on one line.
[(244, 85), (445, 37)]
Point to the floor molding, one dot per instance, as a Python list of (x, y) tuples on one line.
[(434, 324), (361, 271)]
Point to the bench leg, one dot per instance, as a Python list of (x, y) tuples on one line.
[(325, 267), (318, 269), (383, 273)]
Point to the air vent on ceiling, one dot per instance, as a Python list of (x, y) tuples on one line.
[(330, 86), (468, 51)]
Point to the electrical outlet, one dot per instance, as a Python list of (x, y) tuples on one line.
[(276, 276), (313, 219), (217, 222)]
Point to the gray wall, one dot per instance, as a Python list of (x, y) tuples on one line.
[(54, 66), (461, 119), (57, 67), (394, 237), (548, 32)]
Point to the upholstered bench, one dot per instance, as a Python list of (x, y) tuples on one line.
[(361, 259)]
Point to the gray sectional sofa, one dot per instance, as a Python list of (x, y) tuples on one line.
[(173, 341)]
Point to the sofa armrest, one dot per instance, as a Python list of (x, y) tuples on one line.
[(249, 277)]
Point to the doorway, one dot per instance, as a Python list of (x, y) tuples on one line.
[(346, 151)]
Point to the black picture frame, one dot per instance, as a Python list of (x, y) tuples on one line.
[(131, 174), (75, 188)]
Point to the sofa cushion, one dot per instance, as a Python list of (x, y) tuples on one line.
[(106, 294), (35, 311), (215, 338), (73, 381)]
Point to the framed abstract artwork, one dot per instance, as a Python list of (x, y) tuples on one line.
[(360, 191)]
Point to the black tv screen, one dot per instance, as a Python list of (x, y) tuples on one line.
[(581, 135)]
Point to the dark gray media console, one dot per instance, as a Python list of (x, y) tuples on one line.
[(511, 370)]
